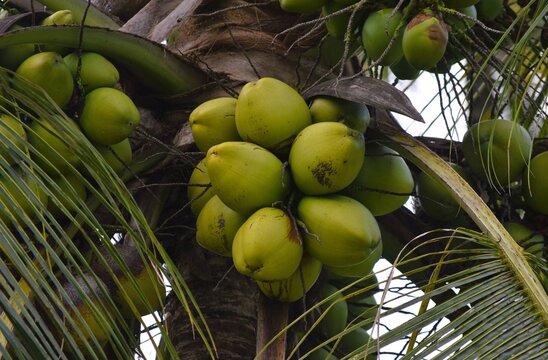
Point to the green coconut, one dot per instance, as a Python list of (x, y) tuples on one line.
[(302, 6), (360, 269), (404, 71), (246, 176), (217, 225), (297, 285), (331, 109), (267, 246), (534, 185), (384, 182), (49, 71), (424, 41), (326, 157), (12, 56), (527, 238), (12, 133), (460, 25), (56, 154), (377, 32), (73, 192), (212, 122), (21, 194), (95, 70), (108, 116), (199, 189), (270, 113), (335, 311), (459, 4), (489, 10), (356, 340), (435, 198), (497, 150), (118, 156), (337, 25), (340, 231)]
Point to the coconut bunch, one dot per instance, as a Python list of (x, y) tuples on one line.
[(419, 41), (284, 188), (86, 87)]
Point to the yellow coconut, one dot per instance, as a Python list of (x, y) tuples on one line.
[(271, 113), (326, 157), (246, 177), (297, 285), (267, 246), (212, 123), (340, 231), (217, 225)]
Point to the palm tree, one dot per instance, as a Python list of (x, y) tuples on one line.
[(467, 287)]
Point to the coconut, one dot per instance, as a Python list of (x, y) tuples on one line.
[(360, 269), (377, 32), (340, 231), (246, 177), (216, 226), (326, 157), (267, 246), (335, 311), (354, 115), (294, 287), (424, 41), (384, 182), (212, 123), (271, 113), (199, 189)]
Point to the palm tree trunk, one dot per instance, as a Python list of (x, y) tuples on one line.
[(228, 302)]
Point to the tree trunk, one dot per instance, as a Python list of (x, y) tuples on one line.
[(227, 300)]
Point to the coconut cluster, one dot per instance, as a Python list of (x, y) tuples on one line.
[(420, 40), (102, 113), (86, 86), (287, 187)]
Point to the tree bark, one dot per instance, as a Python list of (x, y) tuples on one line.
[(122, 9), (227, 300)]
